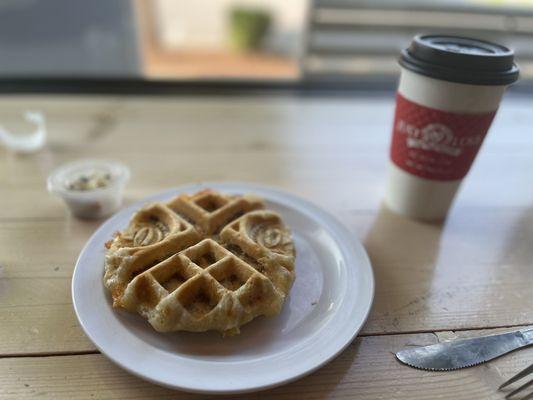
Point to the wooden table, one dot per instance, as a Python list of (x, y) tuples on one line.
[(470, 276)]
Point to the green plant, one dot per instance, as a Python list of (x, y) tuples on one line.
[(248, 28)]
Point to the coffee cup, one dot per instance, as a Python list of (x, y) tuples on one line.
[(449, 91)]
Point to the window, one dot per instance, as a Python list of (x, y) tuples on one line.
[(280, 40)]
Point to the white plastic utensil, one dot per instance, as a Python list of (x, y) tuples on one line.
[(30, 142)]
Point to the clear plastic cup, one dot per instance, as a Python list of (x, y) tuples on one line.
[(91, 188)]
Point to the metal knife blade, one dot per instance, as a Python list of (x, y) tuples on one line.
[(464, 353)]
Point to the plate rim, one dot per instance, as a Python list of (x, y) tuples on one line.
[(235, 186)]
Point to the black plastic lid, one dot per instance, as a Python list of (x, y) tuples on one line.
[(460, 59)]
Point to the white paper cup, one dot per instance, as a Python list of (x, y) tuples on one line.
[(443, 112)]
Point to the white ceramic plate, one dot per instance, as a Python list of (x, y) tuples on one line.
[(327, 306)]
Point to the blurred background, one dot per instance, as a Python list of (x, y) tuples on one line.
[(258, 40)]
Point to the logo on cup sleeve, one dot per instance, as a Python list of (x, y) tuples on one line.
[(437, 137), (436, 144)]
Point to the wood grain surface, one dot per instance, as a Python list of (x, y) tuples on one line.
[(367, 370), (473, 272)]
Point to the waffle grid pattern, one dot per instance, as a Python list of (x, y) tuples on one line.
[(202, 262)]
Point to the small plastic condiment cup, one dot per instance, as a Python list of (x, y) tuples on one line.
[(92, 203)]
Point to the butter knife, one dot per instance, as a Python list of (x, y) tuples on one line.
[(463, 353)]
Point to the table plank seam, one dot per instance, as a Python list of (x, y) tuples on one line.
[(51, 354), (32, 219), (462, 329), (363, 335)]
